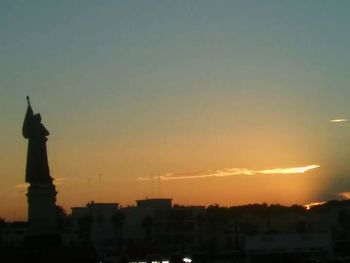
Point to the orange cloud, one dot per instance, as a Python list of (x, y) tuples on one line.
[(56, 181), (232, 172), (338, 120), (294, 170)]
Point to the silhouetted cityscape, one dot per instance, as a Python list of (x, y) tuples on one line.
[(155, 230)]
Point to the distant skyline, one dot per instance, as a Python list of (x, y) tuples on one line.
[(148, 89)]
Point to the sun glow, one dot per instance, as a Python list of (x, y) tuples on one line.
[(308, 206), (344, 195)]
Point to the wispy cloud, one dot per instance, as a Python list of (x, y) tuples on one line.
[(21, 189), (62, 180), (231, 172), (56, 181), (338, 120), (21, 186), (293, 170)]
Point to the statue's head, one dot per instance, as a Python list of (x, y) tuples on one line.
[(37, 117)]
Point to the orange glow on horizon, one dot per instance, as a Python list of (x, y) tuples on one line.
[(344, 195), (312, 204)]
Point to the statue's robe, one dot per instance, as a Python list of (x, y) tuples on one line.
[(37, 169)]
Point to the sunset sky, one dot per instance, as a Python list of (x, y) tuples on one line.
[(227, 102)]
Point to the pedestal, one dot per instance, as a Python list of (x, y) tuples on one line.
[(42, 212)]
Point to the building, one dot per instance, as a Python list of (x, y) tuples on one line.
[(95, 224), (162, 225)]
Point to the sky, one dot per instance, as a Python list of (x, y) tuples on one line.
[(227, 102)]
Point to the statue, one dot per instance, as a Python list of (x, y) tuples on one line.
[(42, 213), (37, 170)]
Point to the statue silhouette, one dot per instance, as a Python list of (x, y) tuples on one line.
[(37, 170)]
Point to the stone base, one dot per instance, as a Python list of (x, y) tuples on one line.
[(42, 212)]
